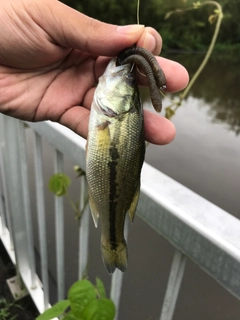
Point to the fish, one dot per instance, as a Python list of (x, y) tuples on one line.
[(114, 157)]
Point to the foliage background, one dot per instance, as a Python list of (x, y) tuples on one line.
[(186, 30)]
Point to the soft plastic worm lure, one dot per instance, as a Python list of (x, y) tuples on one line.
[(147, 61)]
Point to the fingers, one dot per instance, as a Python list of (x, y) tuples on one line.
[(72, 29), (158, 130), (176, 75), (151, 40), (76, 119)]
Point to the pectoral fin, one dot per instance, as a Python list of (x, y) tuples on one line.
[(94, 212), (134, 203)]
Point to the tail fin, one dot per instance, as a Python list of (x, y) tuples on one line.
[(115, 256)]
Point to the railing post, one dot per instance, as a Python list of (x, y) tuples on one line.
[(2, 213), (2, 201), (83, 229), (26, 201), (117, 278), (15, 191), (3, 163), (41, 217), (173, 287), (59, 230)]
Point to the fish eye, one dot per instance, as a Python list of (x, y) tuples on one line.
[(130, 76)]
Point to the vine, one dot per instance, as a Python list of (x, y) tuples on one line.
[(217, 15)]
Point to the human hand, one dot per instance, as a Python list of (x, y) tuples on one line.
[(52, 55)]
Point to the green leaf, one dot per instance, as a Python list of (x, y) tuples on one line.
[(80, 295), (56, 310), (169, 113), (70, 316), (59, 183), (100, 288), (196, 5), (99, 309)]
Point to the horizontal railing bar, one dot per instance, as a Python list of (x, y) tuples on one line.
[(63, 139), (217, 225), (205, 233), (202, 231), (171, 195)]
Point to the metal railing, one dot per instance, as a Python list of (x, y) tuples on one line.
[(197, 228)]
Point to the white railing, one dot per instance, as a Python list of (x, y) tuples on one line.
[(197, 228)]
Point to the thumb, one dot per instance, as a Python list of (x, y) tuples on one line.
[(72, 29)]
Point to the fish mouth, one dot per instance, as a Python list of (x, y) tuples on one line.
[(120, 69)]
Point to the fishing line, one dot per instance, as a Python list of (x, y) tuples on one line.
[(138, 5), (133, 65), (138, 22)]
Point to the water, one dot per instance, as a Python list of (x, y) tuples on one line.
[(205, 156)]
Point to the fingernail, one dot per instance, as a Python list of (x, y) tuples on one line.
[(149, 42), (130, 29)]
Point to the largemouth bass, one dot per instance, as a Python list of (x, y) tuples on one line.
[(115, 154)]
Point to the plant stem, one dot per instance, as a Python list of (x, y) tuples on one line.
[(178, 103), (210, 49), (75, 209)]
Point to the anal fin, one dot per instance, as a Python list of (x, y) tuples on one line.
[(134, 203), (94, 212)]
